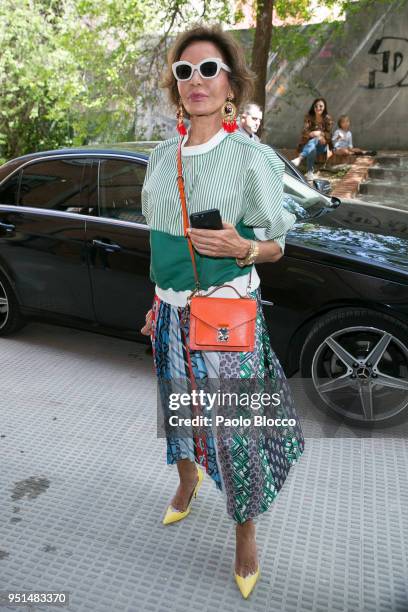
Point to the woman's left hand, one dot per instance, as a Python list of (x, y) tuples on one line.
[(219, 243)]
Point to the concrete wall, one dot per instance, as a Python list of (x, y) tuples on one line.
[(363, 73)]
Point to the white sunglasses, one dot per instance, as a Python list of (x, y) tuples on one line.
[(208, 68)]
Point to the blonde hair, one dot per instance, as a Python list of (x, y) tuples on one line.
[(341, 118)]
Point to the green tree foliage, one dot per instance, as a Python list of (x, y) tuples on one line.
[(79, 71), (75, 71), (290, 43), (38, 80)]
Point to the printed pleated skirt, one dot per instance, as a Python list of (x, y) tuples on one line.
[(248, 465)]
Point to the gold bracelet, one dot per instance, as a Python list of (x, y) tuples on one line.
[(239, 260), (251, 255), (256, 251)]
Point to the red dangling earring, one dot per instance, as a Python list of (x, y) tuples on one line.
[(181, 128), (229, 113)]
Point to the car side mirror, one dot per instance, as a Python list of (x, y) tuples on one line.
[(316, 206), (323, 186)]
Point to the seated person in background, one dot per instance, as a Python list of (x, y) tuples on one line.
[(343, 139), (316, 136)]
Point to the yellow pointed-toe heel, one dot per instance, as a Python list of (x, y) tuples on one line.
[(172, 515), (247, 584)]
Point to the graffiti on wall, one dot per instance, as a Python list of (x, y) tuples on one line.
[(394, 64)]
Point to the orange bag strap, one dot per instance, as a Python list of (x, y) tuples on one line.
[(186, 224)]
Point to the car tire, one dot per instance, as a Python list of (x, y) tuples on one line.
[(359, 398), (11, 318)]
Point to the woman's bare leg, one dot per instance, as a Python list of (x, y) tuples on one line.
[(343, 151), (188, 479), (246, 558)]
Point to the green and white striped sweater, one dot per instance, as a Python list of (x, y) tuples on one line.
[(231, 172)]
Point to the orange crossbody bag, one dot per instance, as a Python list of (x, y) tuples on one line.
[(216, 324)]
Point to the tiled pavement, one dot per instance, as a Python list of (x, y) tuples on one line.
[(83, 487)]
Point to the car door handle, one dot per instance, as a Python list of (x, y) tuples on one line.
[(267, 303), (107, 246), (9, 227)]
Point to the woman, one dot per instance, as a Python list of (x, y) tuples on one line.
[(316, 136), (222, 169)]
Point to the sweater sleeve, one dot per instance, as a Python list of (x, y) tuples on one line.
[(307, 128), (264, 197), (328, 128), (336, 136), (145, 199)]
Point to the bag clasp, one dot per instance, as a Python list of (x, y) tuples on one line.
[(223, 334)]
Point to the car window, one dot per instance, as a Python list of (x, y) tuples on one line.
[(120, 185), (9, 190), (301, 193), (56, 184), (288, 167)]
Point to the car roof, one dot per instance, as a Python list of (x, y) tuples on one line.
[(137, 149), (140, 149)]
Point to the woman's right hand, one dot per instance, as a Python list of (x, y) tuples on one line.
[(315, 134), (147, 327)]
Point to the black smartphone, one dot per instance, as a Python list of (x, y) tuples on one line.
[(206, 219)]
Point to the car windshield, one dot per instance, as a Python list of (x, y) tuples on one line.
[(304, 196)]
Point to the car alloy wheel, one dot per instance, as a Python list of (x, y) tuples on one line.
[(11, 318), (362, 373), (354, 365), (4, 306)]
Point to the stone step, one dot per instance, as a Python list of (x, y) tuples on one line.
[(388, 173), (383, 188), (395, 160)]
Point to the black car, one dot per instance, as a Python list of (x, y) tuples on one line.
[(74, 249)]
